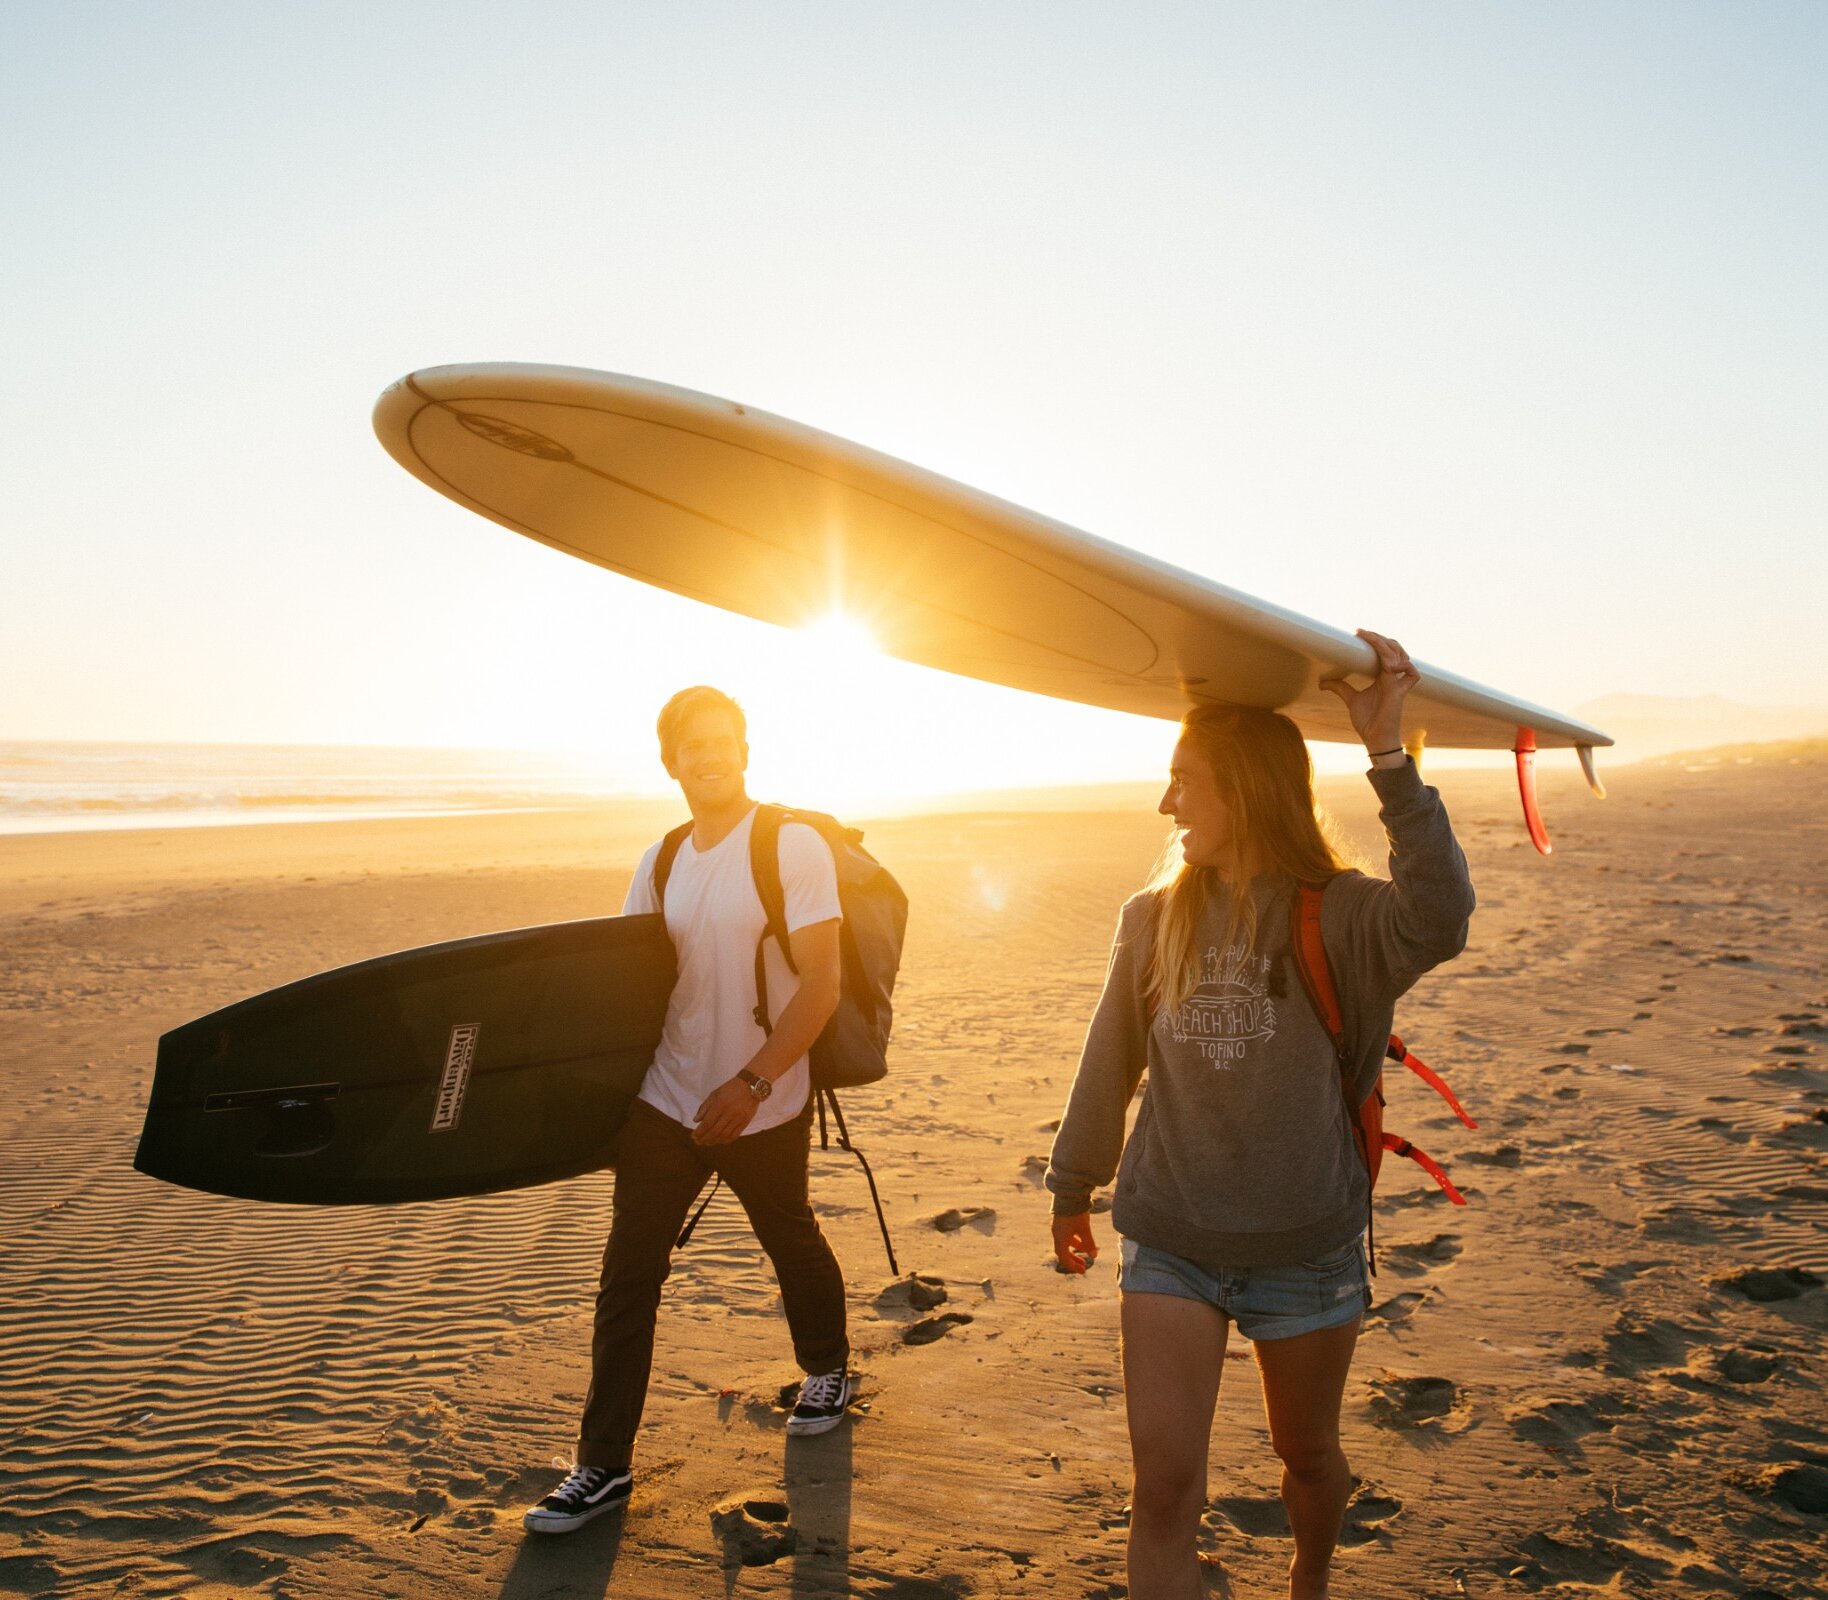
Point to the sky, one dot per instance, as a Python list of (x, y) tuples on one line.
[(1497, 327)]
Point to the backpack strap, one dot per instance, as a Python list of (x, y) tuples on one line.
[(765, 869), (1317, 978), (669, 853), (1397, 1145), (822, 1097), (1399, 1052), (1316, 974)]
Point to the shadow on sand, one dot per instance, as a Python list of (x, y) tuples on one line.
[(573, 1563)]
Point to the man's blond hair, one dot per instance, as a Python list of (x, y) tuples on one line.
[(688, 703)]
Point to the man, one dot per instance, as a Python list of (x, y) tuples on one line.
[(723, 1096)]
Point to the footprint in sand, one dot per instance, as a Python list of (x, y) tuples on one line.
[(1506, 1155), (1412, 1403), (1560, 1425), (915, 1292), (931, 1328), (983, 1218), (1398, 1308), (1802, 1486), (755, 1532), (1413, 1259), (1724, 1128), (1637, 1345), (1264, 1517), (1767, 1285), (1254, 1516), (1613, 1277), (1578, 1557), (1755, 1364), (1680, 1222), (1367, 1517), (1810, 1131)]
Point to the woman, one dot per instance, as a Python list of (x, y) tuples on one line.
[(1241, 1196)]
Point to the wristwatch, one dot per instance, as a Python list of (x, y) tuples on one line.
[(759, 1086)]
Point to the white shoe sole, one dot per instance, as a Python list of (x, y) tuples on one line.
[(801, 1427), (540, 1520), (807, 1425)]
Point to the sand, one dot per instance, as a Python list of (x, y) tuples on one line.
[(1603, 1375)]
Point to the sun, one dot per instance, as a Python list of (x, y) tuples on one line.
[(837, 633)]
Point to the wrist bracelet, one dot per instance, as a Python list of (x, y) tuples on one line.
[(1398, 751)]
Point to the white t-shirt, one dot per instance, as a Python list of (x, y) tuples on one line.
[(715, 918)]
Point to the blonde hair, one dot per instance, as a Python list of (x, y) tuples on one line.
[(1266, 781)]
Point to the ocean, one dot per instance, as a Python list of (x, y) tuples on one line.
[(60, 787)]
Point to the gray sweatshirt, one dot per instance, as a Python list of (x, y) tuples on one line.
[(1242, 1153)]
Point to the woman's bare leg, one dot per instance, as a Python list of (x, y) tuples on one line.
[(1173, 1355), (1304, 1380)]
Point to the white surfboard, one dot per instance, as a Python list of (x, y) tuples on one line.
[(751, 512)]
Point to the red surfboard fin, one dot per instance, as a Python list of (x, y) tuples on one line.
[(1525, 751)]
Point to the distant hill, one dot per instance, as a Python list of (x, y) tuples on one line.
[(1646, 725), (1774, 752)]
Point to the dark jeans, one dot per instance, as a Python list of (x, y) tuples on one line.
[(659, 1173)]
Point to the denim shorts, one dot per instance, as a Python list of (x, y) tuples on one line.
[(1265, 1302)]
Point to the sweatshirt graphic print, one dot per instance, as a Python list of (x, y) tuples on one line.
[(1230, 1008)]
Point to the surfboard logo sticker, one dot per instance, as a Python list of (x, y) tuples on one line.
[(511, 436), (459, 1058)]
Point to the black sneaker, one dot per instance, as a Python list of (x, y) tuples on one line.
[(823, 1398), (588, 1492)]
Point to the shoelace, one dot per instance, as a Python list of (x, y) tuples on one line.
[(822, 1390), (581, 1482)]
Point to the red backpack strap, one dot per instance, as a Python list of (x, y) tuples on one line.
[(1402, 1147), (1366, 1119), (1316, 974), (1400, 1052)]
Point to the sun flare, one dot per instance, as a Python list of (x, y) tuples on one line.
[(840, 634)]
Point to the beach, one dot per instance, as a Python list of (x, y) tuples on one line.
[(1602, 1375)]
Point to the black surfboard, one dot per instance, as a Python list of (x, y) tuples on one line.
[(460, 1068)]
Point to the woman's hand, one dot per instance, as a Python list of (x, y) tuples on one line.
[(725, 1114), (1074, 1249), (1377, 711)]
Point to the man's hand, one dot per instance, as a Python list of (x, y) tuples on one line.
[(1377, 711), (725, 1114), (1073, 1245)]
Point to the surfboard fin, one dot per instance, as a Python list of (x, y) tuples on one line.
[(1585, 752), (1525, 751)]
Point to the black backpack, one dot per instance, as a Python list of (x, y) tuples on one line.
[(852, 1049)]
